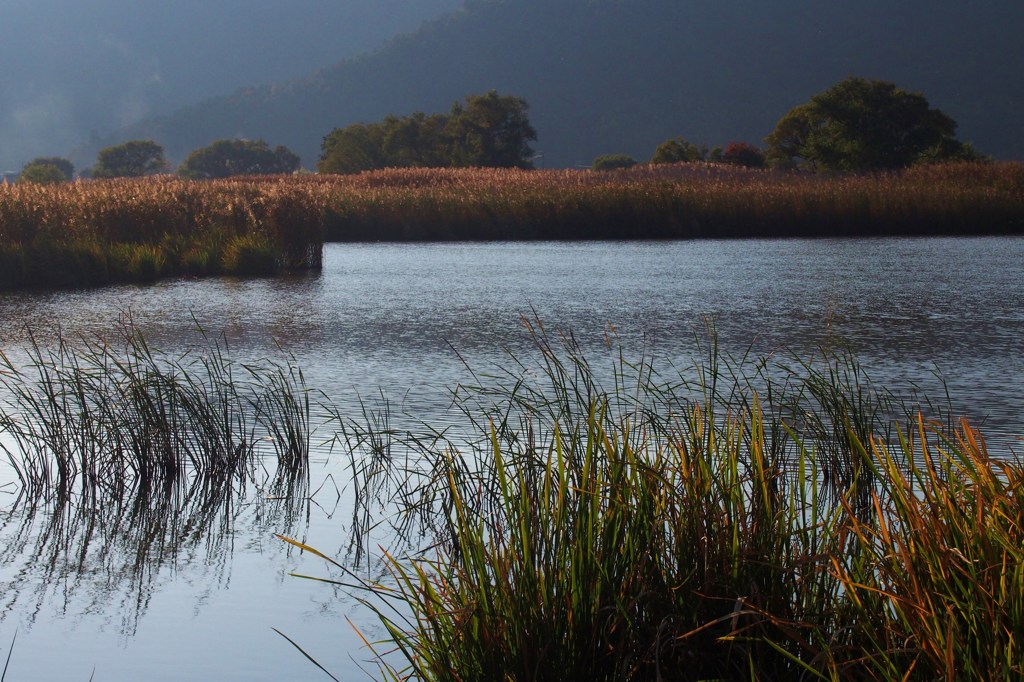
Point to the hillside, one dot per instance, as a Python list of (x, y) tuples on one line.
[(71, 69), (608, 76)]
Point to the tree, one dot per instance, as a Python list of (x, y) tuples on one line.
[(47, 169), (864, 125), (742, 154), (612, 162), (416, 141), (491, 130), (352, 149), (679, 151), (131, 159), (225, 158), (485, 130)]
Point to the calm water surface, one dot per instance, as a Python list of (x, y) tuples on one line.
[(200, 602)]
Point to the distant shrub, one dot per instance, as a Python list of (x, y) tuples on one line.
[(224, 158), (46, 170), (613, 162), (678, 151), (132, 159), (743, 154)]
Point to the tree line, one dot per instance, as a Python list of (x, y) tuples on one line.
[(139, 158), (486, 130), (857, 125)]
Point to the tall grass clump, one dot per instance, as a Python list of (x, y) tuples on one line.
[(738, 520), (249, 255), (97, 418), (945, 597)]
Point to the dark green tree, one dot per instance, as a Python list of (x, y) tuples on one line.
[(131, 159), (612, 162), (352, 149), (679, 151), (863, 125), (47, 169), (491, 130), (418, 140), (485, 130), (225, 158)]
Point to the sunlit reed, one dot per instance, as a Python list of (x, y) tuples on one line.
[(90, 233)]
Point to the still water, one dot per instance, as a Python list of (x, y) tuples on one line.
[(111, 597)]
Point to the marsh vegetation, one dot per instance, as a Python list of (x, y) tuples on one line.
[(97, 232), (747, 518), (91, 233), (98, 418)]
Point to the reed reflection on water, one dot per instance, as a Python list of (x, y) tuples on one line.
[(109, 555)]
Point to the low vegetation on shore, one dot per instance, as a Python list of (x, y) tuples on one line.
[(90, 233)]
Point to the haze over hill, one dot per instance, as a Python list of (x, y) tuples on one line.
[(71, 69), (607, 76), (601, 76)]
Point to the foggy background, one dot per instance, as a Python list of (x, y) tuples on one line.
[(601, 76), (70, 70)]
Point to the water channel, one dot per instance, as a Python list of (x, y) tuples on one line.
[(129, 598)]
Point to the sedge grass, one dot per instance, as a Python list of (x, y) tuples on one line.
[(99, 418), (724, 523)]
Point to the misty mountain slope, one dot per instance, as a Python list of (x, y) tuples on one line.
[(608, 76), (70, 68)]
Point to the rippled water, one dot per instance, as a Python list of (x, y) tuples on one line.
[(387, 317)]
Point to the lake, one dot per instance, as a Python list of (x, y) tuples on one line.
[(192, 590)]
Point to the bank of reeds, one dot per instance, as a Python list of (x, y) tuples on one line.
[(728, 522), (90, 233), (96, 232), (682, 201), (100, 418)]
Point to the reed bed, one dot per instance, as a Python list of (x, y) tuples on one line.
[(90, 233), (736, 520), (100, 419), (96, 232), (681, 201)]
